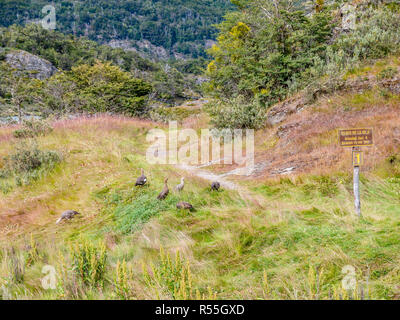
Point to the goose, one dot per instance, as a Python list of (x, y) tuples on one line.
[(141, 181), (164, 193), (184, 205), (215, 186), (67, 215), (180, 186)]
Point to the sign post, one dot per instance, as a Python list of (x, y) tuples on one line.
[(356, 179), (356, 138)]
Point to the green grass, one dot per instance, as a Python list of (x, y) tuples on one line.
[(272, 244)]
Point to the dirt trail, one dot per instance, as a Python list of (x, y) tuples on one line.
[(248, 196), (206, 175)]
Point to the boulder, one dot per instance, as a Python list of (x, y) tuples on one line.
[(36, 67)]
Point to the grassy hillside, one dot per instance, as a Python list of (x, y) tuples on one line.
[(273, 236)]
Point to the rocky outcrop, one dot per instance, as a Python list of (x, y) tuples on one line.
[(156, 51), (147, 50), (286, 128), (144, 48), (35, 66), (281, 111), (393, 85), (122, 44)]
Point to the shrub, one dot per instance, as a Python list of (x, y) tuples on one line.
[(101, 87), (26, 164), (33, 128), (165, 114), (28, 158), (260, 54), (387, 73), (237, 113), (376, 35), (4, 186)]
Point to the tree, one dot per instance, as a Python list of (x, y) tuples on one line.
[(259, 56), (168, 84), (19, 89), (99, 88)]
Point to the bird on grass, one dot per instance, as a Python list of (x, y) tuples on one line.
[(180, 186), (184, 205), (141, 181), (164, 193), (67, 215), (215, 186)]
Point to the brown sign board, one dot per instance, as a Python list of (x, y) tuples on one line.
[(355, 137)]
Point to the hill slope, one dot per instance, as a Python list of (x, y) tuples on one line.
[(271, 238)]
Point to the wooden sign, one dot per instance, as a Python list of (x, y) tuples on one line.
[(355, 137), (358, 158)]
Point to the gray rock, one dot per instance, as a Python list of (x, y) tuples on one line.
[(36, 67), (283, 110), (285, 129)]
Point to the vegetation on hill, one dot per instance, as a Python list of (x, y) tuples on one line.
[(271, 49), (287, 232), (130, 83), (178, 26), (66, 51), (98, 88), (282, 237)]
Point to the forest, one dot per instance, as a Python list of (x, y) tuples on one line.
[(176, 25), (121, 74)]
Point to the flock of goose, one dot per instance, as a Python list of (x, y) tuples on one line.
[(140, 182)]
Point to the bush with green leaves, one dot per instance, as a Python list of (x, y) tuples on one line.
[(268, 50), (387, 73), (98, 88), (33, 128), (166, 114), (27, 164), (237, 113), (168, 83), (29, 158), (375, 36), (262, 47)]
